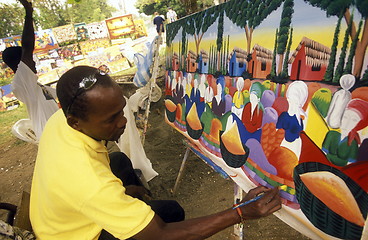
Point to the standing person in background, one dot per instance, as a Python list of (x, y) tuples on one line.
[(159, 22), (171, 15), (39, 99)]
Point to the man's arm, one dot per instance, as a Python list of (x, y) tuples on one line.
[(28, 37), (204, 227)]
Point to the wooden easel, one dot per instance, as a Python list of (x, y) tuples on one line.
[(238, 192), (152, 82)]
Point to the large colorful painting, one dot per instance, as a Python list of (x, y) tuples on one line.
[(13, 41), (97, 30), (275, 93), (82, 32), (45, 40), (120, 26), (65, 33)]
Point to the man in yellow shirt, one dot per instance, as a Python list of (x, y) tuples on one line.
[(75, 194)]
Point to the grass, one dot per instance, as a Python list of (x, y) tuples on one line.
[(7, 120)]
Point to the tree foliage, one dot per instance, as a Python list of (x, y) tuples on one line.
[(90, 11), (273, 67), (334, 8), (220, 31), (172, 30), (349, 64), (199, 24), (340, 66), (285, 22), (365, 76), (13, 19), (285, 67), (249, 14), (331, 62), (181, 7), (52, 13)]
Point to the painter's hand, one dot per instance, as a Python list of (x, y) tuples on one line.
[(269, 203), (27, 6), (255, 192)]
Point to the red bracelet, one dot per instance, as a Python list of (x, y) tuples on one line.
[(238, 210)]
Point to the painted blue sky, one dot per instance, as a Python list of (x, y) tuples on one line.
[(306, 19)]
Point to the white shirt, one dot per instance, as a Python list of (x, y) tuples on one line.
[(26, 89), (171, 16)]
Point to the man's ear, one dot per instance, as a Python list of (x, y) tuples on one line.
[(73, 122)]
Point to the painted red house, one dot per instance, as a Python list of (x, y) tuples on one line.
[(309, 61), (260, 64), (191, 61), (175, 62)]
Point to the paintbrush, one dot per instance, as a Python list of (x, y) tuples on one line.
[(282, 187)]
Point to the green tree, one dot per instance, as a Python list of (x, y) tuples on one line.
[(340, 66), (13, 18), (249, 14), (172, 30), (273, 67), (333, 8), (52, 13), (91, 11), (364, 79), (184, 46), (349, 64), (181, 7), (285, 68), (198, 24), (331, 62), (220, 34), (286, 15)]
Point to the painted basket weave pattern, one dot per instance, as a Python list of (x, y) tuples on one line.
[(318, 213), (231, 159)]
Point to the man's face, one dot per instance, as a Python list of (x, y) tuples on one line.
[(105, 115)]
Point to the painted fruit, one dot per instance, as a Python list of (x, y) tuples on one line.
[(170, 105), (335, 194), (192, 118), (284, 160), (231, 140), (216, 127)]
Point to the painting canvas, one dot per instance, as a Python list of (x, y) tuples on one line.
[(65, 33), (120, 26), (7, 99), (275, 94), (97, 30), (13, 41), (45, 40), (82, 32)]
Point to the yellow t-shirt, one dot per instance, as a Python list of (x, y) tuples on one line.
[(74, 194)]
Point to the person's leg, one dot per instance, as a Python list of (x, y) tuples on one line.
[(122, 168), (168, 210)]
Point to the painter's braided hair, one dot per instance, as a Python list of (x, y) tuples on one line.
[(69, 85)]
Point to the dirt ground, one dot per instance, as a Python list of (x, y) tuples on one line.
[(202, 191)]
